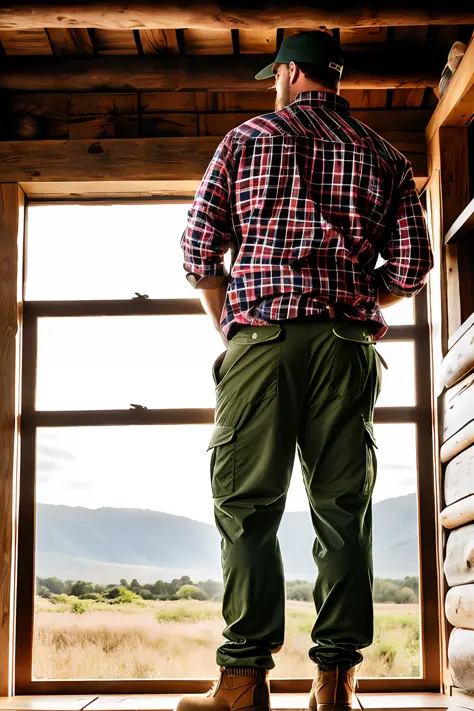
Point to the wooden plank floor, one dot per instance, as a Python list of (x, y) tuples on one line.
[(156, 702)]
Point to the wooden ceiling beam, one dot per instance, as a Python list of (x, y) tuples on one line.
[(120, 159), (392, 69), (212, 15)]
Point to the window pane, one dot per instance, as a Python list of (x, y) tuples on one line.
[(134, 504), (157, 361), (111, 362), (106, 252), (401, 313), (398, 381), (113, 251)]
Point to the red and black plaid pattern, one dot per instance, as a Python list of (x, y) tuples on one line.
[(307, 199)]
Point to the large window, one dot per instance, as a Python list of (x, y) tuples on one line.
[(118, 551)]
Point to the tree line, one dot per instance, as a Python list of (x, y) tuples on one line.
[(405, 590)]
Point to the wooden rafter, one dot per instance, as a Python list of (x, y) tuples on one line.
[(213, 73), (153, 14), (119, 159)]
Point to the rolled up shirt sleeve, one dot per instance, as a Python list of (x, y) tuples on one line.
[(208, 232), (408, 252)]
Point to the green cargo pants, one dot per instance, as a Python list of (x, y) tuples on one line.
[(312, 386)]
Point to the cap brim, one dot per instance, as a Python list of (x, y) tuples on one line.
[(266, 73)]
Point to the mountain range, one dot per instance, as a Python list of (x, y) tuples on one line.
[(106, 544)]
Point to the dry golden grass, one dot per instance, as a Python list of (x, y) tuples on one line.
[(179, 639)]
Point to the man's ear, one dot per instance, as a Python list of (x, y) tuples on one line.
[(294, 72)]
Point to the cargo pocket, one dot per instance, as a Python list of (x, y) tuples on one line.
[(370, 460), (248, 369), (222, 460)]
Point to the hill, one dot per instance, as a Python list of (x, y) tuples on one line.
[(104, 545)]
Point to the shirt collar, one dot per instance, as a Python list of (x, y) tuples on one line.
[(326, 99)]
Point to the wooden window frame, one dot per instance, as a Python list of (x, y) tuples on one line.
[(420, 414)]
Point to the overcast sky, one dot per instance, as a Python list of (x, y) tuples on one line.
[(108, 252)]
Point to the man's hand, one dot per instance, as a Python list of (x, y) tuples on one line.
[(387, 298), (213, 300)]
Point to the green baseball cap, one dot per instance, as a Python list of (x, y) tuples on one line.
[(318, 48)]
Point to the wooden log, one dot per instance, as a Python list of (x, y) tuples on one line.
[(363, 70), (11, 240), (459, 606), (458, 407), (458, 514), (459, 563), (461, 658), (152, 14), (464, 699), (109, 159), (457, 443), (459, 477), (459, 360)]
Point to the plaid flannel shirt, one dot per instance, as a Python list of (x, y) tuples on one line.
[(307, 199)]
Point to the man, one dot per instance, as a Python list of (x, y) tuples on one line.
[(307, 197)]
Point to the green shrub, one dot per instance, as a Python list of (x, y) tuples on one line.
[(180, 612), (191, 592), (79, 607), (60, 599), (407, 595), (81, 588), (300, 591), (91, 596)]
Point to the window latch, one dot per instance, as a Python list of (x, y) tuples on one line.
[(134, 406), (140, 296)]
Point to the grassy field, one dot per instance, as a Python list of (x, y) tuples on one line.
[(178, 639)]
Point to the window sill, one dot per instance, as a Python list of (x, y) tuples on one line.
[(157, 702)]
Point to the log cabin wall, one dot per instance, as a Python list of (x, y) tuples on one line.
[(84, 105), (450, 197)]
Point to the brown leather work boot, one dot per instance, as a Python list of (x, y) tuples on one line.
[(237, 688), (332, 690)]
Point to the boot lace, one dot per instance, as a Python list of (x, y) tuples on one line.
[(213, 689)]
